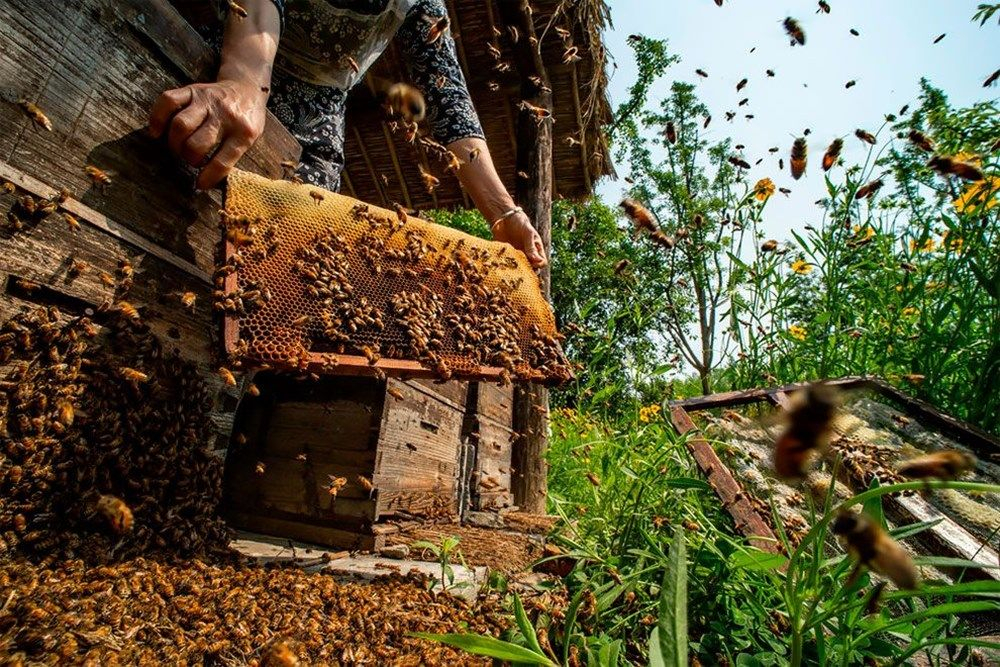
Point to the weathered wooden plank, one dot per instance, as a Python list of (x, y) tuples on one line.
[(316, 428), (728, 399), (748, 522), (495, 402), (455, 391), (359, 539)]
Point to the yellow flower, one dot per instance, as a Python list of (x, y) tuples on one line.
[(763, 189), (801, 267), (648, 413), (909, 310), (928, 245), (868, 233), (797, 332), (982, 193), (966, 156)]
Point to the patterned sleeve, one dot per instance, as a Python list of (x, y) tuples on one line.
[(435, 70)]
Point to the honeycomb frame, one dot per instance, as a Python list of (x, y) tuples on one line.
[(479, 311)]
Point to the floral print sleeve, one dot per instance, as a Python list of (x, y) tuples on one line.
[(435, 70)]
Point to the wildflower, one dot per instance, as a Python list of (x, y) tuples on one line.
[(801, 267), (797, 332), (928, 245), (649, 412), (763, 189), (980, 194), (868, 233), (909, 310)]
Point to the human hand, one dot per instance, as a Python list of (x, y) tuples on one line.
[(518, 231), (213, 123)]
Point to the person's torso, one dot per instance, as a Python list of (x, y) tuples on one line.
[(334, 42)]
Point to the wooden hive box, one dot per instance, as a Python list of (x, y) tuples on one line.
[(406, 450)]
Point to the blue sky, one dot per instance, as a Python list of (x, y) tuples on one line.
[(887, 60)]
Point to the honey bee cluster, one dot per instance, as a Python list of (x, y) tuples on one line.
[(146, 612), (102, 436), (384, 287)]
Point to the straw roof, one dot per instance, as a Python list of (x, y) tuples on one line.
[(383, 167)]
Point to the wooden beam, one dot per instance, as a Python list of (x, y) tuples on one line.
[(729, 491), (347, 181), (534, 195), (395, 165), (371, 167), (508, 116)]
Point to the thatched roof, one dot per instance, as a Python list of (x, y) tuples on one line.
[(580, 106)]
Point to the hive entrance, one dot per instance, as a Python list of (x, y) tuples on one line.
[(322, 282)]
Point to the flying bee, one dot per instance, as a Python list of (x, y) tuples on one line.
[(188, 299), (991, 79), (572, 141), (406, 101), (540, 113), (227, 376), (438, 27), (855, 32), (809, 420), (824, 7), (850, 84), (872, 547), (260, 468), (639, 214), (946, 464), (769, 72), (238, 10), (571, 55), (769, 246), (670, 132), (702, 73), (743, 102), (939, 38), (708, 119), (795, 31), (35, 113), (865, 136), (868, 189), (741, 85), (946, 165), (494, 51), (739, 162), (365, 483), (98, 177), (335, 485), (921, 141), (128, 310), (785, 191), (730, 115), (115, 512), (317, 196), (430, 181), (798, 158)]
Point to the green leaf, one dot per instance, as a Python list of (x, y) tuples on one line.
[(488, 646), (524, 624), (914, 528), (668, 641), (757, 560), (686, 483)]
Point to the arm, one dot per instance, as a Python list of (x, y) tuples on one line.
[(229, 114), (434, 68)]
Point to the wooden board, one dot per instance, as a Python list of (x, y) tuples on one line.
[(416, 468), (491, 477), (494, 402)]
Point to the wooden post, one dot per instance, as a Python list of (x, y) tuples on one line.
[(533, 192)]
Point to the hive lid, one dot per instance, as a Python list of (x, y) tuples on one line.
[(321, 282)]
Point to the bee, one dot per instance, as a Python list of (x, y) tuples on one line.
[(824, 7), (794, 31), (335, 485), (35, 113), (8, 187), (474, 154), (353, 64), (253, 390), (280, 653), (872, 547), (371, 355), (301, 321), (946, 464), (854, 32), (798, 158), (621, 265), (128, 310), (65, 413), (865, 136), (991, 79), (540, 113), (769, 246), (670, 132), (132, 375), (921, 141), (260, 468), (593, 479), (395, 393), (227, 376), (946, 165), (639, 214), (317, 196), (365, 483), (914, 378), (743, 102), (188, 299), (708, 119), (739, 162), (430, 181), (741, 85), (439, 26), (868, 189), (238, 10), (98, 177), (572, 141), (730, 115), (702, 73), (785, 191), (809, 422), (107, 279), (769, 72), (663, 240), (571, 55), (939, 38), (515, 36), (115, 512), (400, 212), (406, 101), (690, 525), (850, 84), (494, 51)]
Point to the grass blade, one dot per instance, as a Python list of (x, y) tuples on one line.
[(488, 646), (668, 641)]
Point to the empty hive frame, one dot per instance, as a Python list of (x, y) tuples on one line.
[(318, 281)]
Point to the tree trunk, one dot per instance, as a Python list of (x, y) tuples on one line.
[(534, 195)]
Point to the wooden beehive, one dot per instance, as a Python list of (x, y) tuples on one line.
[(404, 449)]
